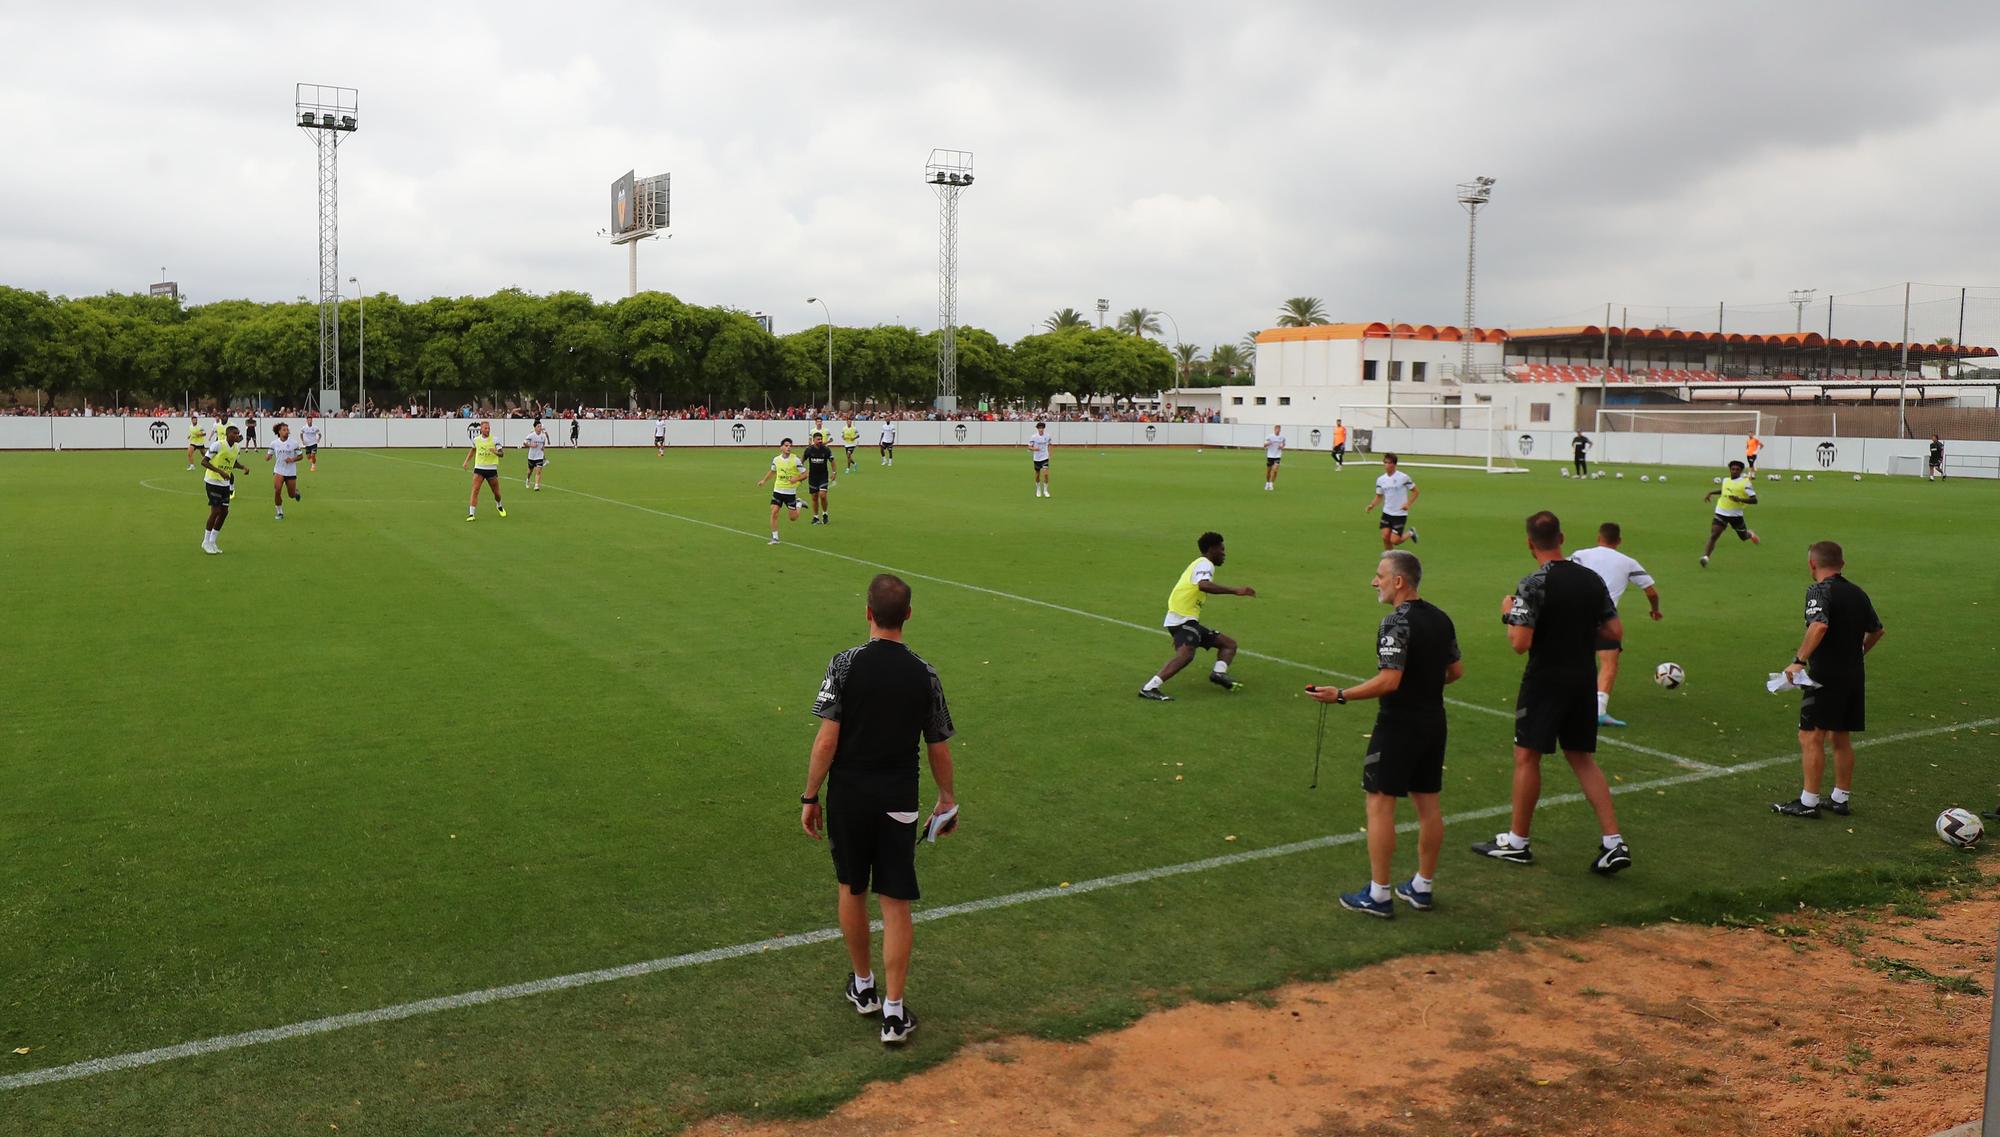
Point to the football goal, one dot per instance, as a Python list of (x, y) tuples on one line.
[(1612, 420), (1467, 436)]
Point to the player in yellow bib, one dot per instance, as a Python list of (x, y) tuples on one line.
[(849, 438), (197, 439), (219, 463), (790, 474), (1183, 623), (1736, 494), (484, 458)]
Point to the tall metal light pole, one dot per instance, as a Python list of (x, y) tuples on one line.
[(361, 365), (328, 115), (1103, 306), (1471, 195), (1800, 297), (829, 349), (1177, 344), (948, 172)]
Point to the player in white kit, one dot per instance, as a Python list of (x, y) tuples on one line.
[(284, 453), (537, 443), (1274, 453), (1618, 571), (888, 444), (660, 437), (1038, 448), (1395, 493), (309, 440)]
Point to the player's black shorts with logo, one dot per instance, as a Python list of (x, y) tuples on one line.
[(888, 446), (816, 485), (218, 496), (1193, 634), (1550, 718), (1394, 522), (1405, 754), (1041, 464), (537, 463), (492, 475), (870, 848), (788, 500), (313, 449), (1737, 523), (1270, 462), (1839, 705)]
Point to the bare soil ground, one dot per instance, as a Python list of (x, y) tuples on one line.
[(1870, 1022)]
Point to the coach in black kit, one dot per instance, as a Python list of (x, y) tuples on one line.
[(1557, 616), (1841, 628), (877, 703)]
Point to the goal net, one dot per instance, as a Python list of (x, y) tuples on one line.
[(1459, 436), (1648, 421)]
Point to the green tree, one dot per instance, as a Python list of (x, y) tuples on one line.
[(1225, 360), (1065, 319), (1139, 322), (1301, 311), (1187, 355)]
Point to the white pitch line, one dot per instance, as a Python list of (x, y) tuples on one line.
[(331, 1023), (1602, 738)]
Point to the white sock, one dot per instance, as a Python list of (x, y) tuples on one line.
[(470, 510), (1152, 684), (1612, 840), (864, 982), (1221, 668), (1420, 883), (774, 534), (1604, 702), (1840, 796), (892, 1008), (1378, 892), (1807, 797), (1515, 839)]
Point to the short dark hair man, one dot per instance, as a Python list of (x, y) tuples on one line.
[(819, 477), (1395, 493), (1580, 445), (1618, 572), (876, 702), (1339, 444), (1735, 494), (1841, 628), (1416, 655), (1557, 616), (1183, 622), (1935, 463)]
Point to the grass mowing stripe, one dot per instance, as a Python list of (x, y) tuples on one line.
[(95, 1066), (1603, 740)]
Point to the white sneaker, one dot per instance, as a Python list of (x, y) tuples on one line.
[(774, 539)]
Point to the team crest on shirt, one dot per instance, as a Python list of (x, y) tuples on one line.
[(737, 431), (1826, 452), (1527, 444), (958, 432), (1151, 430), (158, 431)]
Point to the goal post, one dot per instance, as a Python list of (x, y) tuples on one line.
[(1646, 420), (1469, 436)]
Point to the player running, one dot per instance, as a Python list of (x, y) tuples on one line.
[(1395, 493), (1183, 623), (1038, 448), (785, 491), (1274, 453), (850, 438), (284, 453), (537, 443), (1737, 493), (309, 439), (1339, 445), (218, 461), (1935, 468), (888, 442), (1618, 571), (197, 439), (819, 477), (484, 457), (660, 437)]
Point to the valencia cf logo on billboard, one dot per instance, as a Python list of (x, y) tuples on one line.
[(471, 431), (1826, 451), (737, 431), (1151, 430), (1314, 436), (958, 432), (158, 431), (1527, 444)]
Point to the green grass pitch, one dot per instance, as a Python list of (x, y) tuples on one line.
[(373, 755)]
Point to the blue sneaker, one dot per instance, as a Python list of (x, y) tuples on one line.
[(1407, 892), (1607, 720), (1363, 901)]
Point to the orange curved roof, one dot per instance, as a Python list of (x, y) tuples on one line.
[(1449, 334), (1379, 330)]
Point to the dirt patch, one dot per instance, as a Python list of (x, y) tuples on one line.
[(1818, 1024)]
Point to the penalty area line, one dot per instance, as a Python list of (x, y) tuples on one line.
[(329, 1024)]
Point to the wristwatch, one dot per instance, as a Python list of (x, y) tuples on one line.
[(1797, 660), (1340, 696), (808, 799)]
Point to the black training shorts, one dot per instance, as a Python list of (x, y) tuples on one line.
[(1271, 463), (1405, 754), (788, 500), (1041, 464), (1393, 522), (816, 485), (1549, 718), (1610, 645), (313, 449), (218, 496), (870, 848), (1192, 634), (1840, 706), (537, 463), (1737, 523), (490, 475)]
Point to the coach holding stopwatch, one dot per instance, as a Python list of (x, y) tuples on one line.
[(876, 702)]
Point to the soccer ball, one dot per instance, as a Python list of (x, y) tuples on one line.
[(1645, 477), (1621, 475), (1795, 477), (1563, 472), (1669, 675), (1773, 477), (1717, 481), (1663, 477), (1809, 477), (1857, 477), (1959, 828)]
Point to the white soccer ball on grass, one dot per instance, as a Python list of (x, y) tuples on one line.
[(1669, 675), (1645, 477), (1960, 828)]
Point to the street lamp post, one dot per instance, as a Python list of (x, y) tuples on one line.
[(829, 349), (361, 364), (1177, 345)]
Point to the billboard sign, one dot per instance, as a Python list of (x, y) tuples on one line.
[(166, 288), (625, 203)]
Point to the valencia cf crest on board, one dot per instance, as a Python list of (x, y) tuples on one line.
[(1314, 436), (1151, 430), (1826, 451), (737, 432), (1527, 445), (958, 432), (158, 430)]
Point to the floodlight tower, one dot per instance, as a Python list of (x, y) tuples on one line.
[(640, 208), (1799, 299), (327, 115), (948, 172), (1471, 195)]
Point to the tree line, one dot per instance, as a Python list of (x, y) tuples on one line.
[(563, 348)]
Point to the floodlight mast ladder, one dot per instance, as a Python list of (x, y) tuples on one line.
[(328, 115), (1471, 195), (949, 173)]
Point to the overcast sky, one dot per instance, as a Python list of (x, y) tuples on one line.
[(1207, 160)]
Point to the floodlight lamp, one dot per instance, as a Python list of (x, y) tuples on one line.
[(347, 121), (812, 299), (968, 179), (306, 118)]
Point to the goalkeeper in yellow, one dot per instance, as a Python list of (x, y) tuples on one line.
[(1736, 494)]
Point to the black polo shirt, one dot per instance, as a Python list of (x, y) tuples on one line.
[(887, 701), (1849, 616), (1565, 603), (819, 462), (1419, 640)]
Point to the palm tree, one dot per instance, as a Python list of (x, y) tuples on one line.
[(1065, 319), (1302, 311), (1226, 359), (1249, 344), (1189, 355), (1139, 321)]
